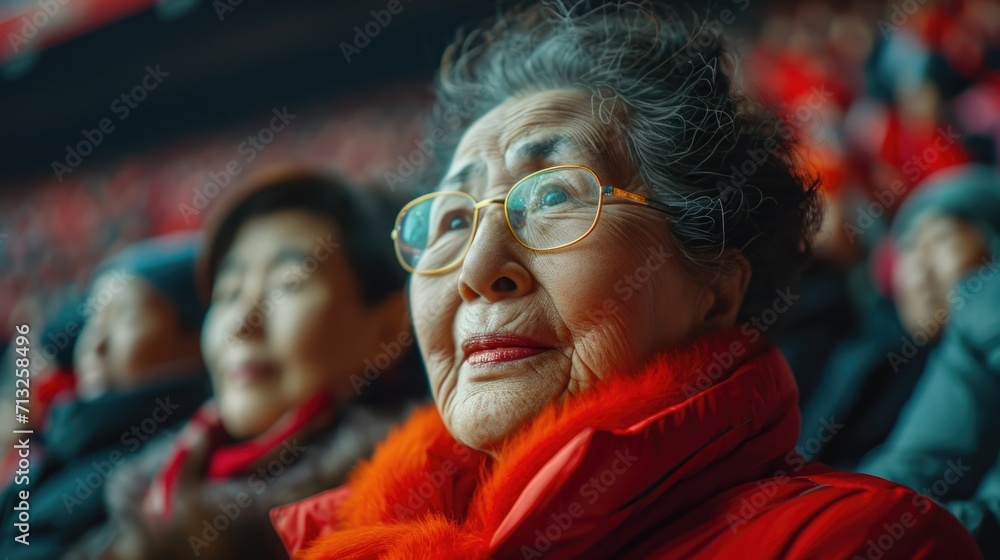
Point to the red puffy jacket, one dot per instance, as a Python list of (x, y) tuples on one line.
[(694, 456)]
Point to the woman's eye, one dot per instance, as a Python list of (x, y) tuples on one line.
[(554, 196), (448, 222), (287, 279), (455, 221)]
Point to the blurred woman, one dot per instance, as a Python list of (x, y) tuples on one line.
[(306, 341), (948, 436), (590, 292), (138, 374), (945, 233)]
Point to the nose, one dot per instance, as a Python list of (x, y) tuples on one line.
[(249, 317), (101, 348), (93, 339), (494, 267), (89, 358)]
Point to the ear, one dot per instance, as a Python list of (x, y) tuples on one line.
[(725, 292)]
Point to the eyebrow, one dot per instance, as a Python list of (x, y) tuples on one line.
[(285, 255), (527, 151), (288, 255), (462, 176), (541, 149)]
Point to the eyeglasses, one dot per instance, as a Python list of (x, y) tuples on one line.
[(547, 210)]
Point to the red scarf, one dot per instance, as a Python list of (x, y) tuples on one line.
[(425, 495), (226, 458)]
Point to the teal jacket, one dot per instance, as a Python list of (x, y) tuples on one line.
[(946, 444)]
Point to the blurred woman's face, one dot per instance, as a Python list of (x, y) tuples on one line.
[(135, 338), (512, 330), (286, 321), (940, 250)]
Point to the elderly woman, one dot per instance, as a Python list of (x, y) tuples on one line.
[(606, 221)]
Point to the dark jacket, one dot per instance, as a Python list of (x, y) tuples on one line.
[(821, 317), (866, 383), (85, 444), (230, 519), (948, 439)]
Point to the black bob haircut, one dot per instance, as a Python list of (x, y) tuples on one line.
[(362, 219)]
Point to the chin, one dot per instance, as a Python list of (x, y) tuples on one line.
[(477, 439), (245, 418), (485, 425)]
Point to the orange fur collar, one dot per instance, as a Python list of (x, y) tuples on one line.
[(423, 494)]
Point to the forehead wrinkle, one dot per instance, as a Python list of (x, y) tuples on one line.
[(537, 148), (566, 114), (531, 119), (530, 111)]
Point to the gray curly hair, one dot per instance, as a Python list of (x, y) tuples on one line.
[(665, 84)]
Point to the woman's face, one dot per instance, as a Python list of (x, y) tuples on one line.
[(287, 321), (940, 250), (134, 337), (512, 330)]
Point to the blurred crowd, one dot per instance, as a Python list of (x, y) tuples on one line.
[(893, 332), (55, 232)]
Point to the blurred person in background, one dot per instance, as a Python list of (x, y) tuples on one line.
[(948, 435), (943, 231), (138, 372), (310, 353), (860, 388), (575, 418), (871, 148), (50, 376), (144, 319)]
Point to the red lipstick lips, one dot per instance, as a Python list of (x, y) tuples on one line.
[(250, 372), (486, 349)]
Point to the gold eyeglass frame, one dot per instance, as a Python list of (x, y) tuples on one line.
[(606, 190)]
